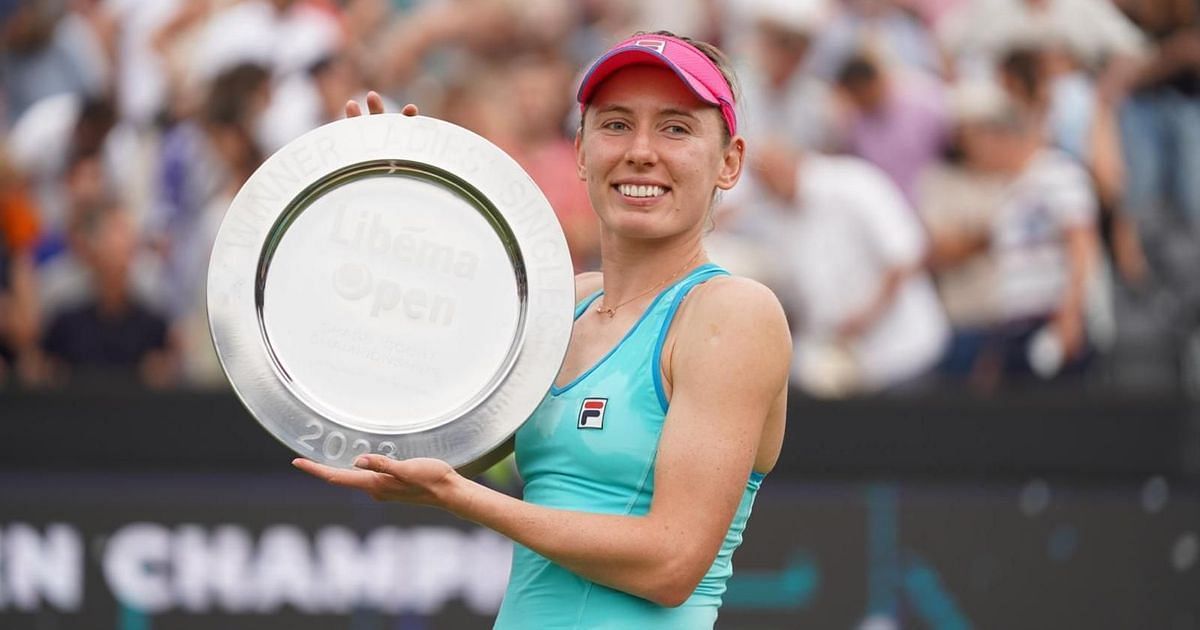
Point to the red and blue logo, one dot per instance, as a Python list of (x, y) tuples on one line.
[(591, 413)]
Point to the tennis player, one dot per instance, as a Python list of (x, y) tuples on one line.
[(642, 463)]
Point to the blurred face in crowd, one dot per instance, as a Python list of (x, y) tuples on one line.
[(653, 154), (484, 103), (543, 96), (868, 95), (111, 243), (1000, 147), (780, 52), (86, 181), (337, 82)]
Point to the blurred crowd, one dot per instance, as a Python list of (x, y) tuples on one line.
[(943, 193)]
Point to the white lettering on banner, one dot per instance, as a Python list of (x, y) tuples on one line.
[(136, 561), (438, 554), (153, 568), (215, 566), (36, 568), (285, 570), (356, 572), (486, 563)]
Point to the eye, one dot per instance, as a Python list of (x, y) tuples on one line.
[(615, 125), (677, 130)]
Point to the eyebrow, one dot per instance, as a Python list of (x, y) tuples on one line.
[(666, 111)]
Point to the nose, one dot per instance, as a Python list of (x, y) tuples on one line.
[(641, 151)]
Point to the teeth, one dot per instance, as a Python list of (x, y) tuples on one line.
[(631, 190)]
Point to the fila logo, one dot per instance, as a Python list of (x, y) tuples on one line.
[(656, 44), (591, 414)]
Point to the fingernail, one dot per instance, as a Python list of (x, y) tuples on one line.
[(361, 462)]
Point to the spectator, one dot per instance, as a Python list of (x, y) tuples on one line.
[(113, 333), (1048, 81), (885, 30), (306, 100), (958, 200), (864, 315), (47, 144), (782, 100), (957, 204), (154, 101), (1160, 132), (203, 164), (140, 75), (542, 85), (47, 49), (898, 123), (1096, 33), (18, 292), (1042, 241)]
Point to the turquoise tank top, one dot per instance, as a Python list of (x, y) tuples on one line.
[(591, 446)]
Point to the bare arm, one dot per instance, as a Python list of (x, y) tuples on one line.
[(729, 366), (1177, 53), (1068, 321), (889, 287), (948, 249)]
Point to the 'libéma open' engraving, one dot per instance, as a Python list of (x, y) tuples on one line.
[(409, 248)]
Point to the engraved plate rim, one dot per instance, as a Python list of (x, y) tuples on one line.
[(541, 338)]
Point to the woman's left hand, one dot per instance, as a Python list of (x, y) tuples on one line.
[(422, 481)]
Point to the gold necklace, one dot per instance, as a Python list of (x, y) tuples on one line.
[(610, 311)]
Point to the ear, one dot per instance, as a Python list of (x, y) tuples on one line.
[(731, 163), (580, 169)]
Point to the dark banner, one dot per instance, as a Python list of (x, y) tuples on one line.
[(1052, 432), (171, 551)]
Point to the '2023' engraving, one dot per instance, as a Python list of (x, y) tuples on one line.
[(334, 444)]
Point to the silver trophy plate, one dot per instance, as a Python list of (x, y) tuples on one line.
[(390, 284)]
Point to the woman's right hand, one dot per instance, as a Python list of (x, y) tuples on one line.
[(375, 106)]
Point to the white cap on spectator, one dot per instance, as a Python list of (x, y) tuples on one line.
[(306, 36), (39, 140), (243, 33), (799, 16)]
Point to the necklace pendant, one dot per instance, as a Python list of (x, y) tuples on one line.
[(606, 311)]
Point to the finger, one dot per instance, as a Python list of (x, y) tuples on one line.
[(357, 479), (353, 109), (374, 102), (379, 464), (410, 110)]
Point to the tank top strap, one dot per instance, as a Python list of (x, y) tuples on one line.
[(698, 276), (586, 302)]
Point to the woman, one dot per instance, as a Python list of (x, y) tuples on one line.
[(630, 516)]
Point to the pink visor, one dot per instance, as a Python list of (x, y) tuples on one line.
[(694, 68)]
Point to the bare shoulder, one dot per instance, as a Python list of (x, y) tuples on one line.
[(744, 312), (587, 283), (736, 300), (730, 338)]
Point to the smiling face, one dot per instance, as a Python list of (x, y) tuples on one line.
[(653, 154)]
